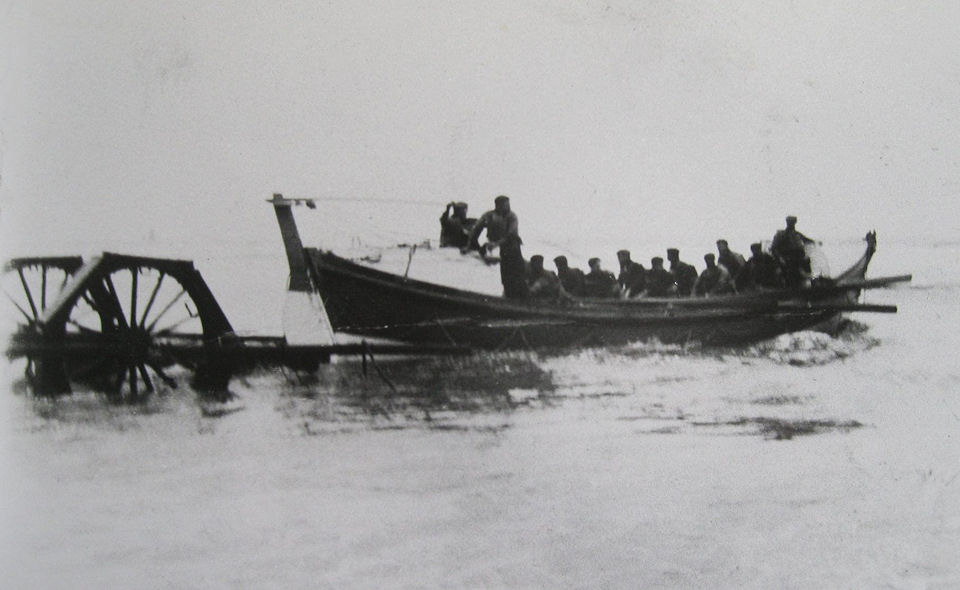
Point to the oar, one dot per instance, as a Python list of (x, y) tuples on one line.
[(874, 283), (871, 307)]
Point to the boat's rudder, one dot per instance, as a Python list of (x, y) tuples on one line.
[(305, 320)]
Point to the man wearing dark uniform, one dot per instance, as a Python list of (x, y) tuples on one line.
[(684, 274), (502, 228), (455, 226), (714, 280), (659, 281), (761, 270), (542, 283), (632, 274), (730, 260), (572, 279), (599, 282), (788, 248)]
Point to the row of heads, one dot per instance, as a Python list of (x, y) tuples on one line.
[(624, 256)]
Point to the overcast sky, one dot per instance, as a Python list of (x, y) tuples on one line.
[(175, 119)]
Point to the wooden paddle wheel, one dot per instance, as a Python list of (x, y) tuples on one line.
[(30, 284), (116, 324)]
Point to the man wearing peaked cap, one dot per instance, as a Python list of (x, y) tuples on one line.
[(659, 281), (714, 280), (632, 274), (684, 274), (572, 279), (600, 282), (543, 284), (729, 259), (502, 229), (789, 249)]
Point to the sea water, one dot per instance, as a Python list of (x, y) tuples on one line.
[(805, 461)]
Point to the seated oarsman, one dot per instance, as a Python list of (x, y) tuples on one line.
[(599, 282), (684, 274), (659, 281), (728, 259), (542, 283), (571, 278), (789, 249), (632, 275), (761, 271), (455, 226), (714, 280)]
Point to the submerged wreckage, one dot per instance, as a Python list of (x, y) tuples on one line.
[(117, 323)]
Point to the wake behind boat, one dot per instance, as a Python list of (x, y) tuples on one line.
[(368, 302)]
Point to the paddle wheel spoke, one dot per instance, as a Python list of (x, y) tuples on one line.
[(114, 302), (26, 316), (153, 297), (170, 329), (145, 376), (89, 300), (29, 293), (85, 329), (43, 289), (169, 381), (134, 272), (166, 309), (133, 380)]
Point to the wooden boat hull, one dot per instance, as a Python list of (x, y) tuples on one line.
[(366, 302)]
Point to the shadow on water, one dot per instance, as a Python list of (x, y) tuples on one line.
[(783, 428), (430, 392)]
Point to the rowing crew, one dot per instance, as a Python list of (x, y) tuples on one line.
[(786, 266)]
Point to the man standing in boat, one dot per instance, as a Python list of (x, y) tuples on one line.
[(503, 232), (499, 223), (789, 249)]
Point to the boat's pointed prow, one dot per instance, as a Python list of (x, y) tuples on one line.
[(858, 271), (305, 319)]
